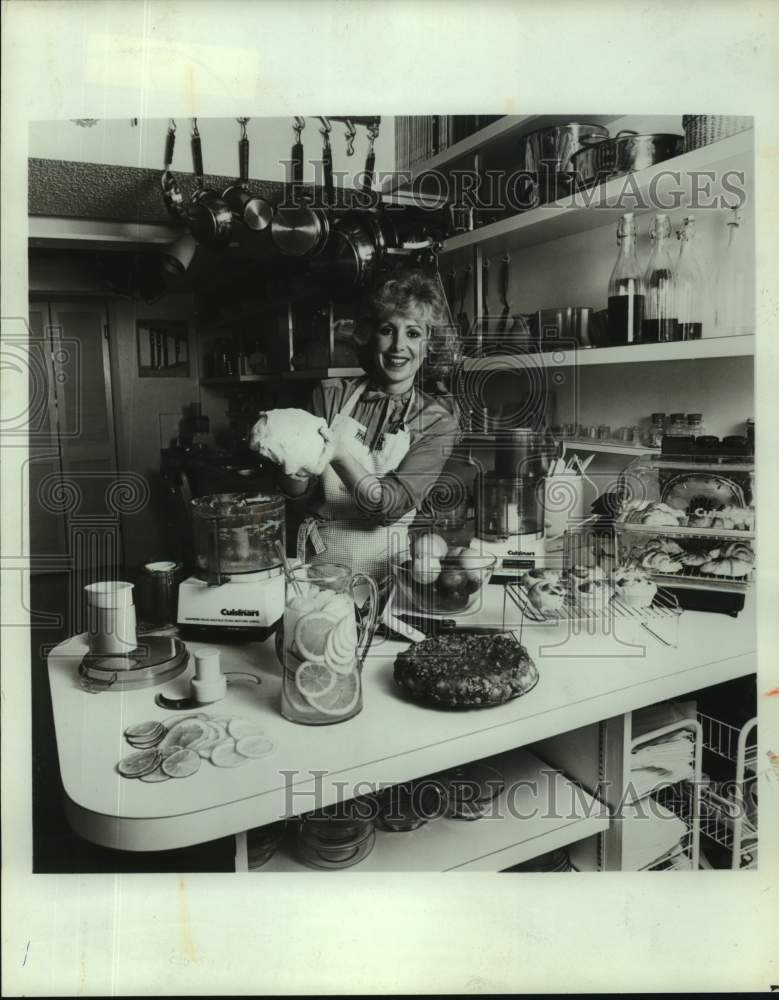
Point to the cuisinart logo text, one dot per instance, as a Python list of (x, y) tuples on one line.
[(229, 612)]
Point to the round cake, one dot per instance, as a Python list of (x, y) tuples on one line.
[(466, 670)]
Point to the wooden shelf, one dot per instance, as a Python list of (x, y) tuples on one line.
[(598, 207), (609, 447), (538, 811), (298, 376), (505, 131), (684, 350)]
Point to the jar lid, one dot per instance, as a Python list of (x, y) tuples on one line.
[(694, 416), (677, 416), (657, 417)]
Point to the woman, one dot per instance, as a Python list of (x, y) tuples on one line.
[(387, 441)]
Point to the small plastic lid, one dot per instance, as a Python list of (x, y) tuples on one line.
[(657, 417), (694, 416), (677, 416)]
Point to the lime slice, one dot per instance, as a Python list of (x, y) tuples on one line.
[(341, 699), (314, 679), (311, 634)]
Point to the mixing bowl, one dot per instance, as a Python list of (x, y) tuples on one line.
[(447, 585)]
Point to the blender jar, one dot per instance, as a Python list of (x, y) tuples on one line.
[(235, 533)]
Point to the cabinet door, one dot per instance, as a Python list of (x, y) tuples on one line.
[(45, 529)]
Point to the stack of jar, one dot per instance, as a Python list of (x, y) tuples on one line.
[(338, 836), (677, 425)]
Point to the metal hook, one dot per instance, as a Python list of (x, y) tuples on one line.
[(171, 124), (373, 132), (326, 126), (300, 124), (243, 122), (194, 127), (351, 135)]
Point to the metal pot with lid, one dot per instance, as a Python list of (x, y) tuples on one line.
[(237, 534), (547, 155), (628, 151)]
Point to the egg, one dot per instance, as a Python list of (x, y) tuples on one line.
[(430, 546), (426, 570)]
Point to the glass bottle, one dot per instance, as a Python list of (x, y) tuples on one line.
[(731, 307), (695, 425), (659, 325), (677, 426), (626, 288), (689, 285), (656, 430)]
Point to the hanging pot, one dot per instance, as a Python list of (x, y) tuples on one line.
[(301, 230), (359, 241), (209, 217), (626, 152), (253, 211)]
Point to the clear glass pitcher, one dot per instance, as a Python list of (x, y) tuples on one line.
[(324, 642)]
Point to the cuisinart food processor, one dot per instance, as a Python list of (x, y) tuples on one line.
[(510, 502), (238, 589)]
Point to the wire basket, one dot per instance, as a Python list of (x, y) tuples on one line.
[(701, 130)]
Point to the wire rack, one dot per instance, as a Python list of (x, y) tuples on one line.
[(679, 799), (728, 811)]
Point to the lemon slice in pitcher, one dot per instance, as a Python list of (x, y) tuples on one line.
[(341, 699), (314, 680), (311, 635)]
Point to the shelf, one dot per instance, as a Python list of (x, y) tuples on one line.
[(539, 811), (601, 206), (313, 374), (683, 350), (609, 447), (504, 131)]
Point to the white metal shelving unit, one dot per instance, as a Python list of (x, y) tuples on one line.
[(538, 811), (729, 815)]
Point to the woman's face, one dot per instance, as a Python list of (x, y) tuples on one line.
[(399, 345)]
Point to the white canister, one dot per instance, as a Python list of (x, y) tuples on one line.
[(111, 618)]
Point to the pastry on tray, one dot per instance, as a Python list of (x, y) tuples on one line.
[(634, 587), (651, 512), (533, 576), (693, 560), (724, 566), (660, 562), (546, 597), (463, 670)]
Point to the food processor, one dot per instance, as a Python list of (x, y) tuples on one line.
[(237, 590), (510, 502)]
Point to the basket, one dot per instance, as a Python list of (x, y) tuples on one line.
[(701, 130)]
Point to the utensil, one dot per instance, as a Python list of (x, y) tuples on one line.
[(300, 230), (255, 212), (546, 155), (628, 151), (358, 242), (288, 569), (171, 191), (209, 217)]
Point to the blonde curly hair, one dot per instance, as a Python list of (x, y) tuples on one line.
[(401, 294)]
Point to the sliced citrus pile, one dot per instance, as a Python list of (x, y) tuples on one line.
[(311, 634), (340, 647)]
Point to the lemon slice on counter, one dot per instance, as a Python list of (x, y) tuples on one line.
[(224, 755), (311, 635), (255, 746), (238, 728), (314, 679)]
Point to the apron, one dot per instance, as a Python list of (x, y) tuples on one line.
[(350, 539)]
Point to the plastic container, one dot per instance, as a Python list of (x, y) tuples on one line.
[(236, 533)]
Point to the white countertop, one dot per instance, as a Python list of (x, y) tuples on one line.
[(584, 678)]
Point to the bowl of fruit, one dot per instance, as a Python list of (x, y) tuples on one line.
[(436, 578)]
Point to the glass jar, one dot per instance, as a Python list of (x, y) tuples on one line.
[(323, 643), (659, 324), (695, 425), (656, 430), (626, 288), (689, 285), (338, 836), (733, 307), (677, 426)]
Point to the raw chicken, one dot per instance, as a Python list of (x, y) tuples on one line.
[(292, 439)]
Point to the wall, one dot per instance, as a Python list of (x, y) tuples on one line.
[(115, 141)]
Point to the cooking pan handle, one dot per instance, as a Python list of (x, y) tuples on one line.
[(297, 152), (243, 153), (626, 131), (327, 161), (170, 144), (197, 154)]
